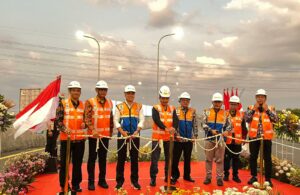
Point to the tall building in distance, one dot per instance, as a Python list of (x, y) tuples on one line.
[(27, 96)]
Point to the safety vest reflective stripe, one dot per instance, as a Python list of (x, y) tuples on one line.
[(68, 117), (237, 128), (267, 125), (166, 118), (101, 116), (73, 120), (102, 129)]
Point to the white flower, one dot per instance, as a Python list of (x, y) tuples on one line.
[(293, 169), (285, 168), (281, 171), (268, 188), (289, 165), (245, 188), (288, 174), (288, 112), (277, 167), (266, 184), (276, 174), (283, 111), (256, 184)]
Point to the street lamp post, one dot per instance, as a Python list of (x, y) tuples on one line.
[(158, 45), (169, 69), (129, 70), (80, 34)]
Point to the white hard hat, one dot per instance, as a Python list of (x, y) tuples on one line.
[(261, 92), (185, 95), (101, 85), (165, 91), (234, 99), (129, 88), (74, 84), (217, 97)]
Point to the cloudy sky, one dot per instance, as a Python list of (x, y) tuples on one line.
[(245, 44)]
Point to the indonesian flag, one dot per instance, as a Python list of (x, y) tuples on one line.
[(226, 99), (38, 113)]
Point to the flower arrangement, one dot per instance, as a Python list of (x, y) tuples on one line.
[(295, 178), (288, 126), (282, 170), (6, 117), (228, 191), (20, 171)]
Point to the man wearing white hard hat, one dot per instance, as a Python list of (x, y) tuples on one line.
[(165, 121), (187, 128), (239, 131), (261, 118), (69, 120), (215, 122), (129, 120), (99, 119)]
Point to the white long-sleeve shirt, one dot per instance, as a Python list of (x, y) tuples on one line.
[(118, 116)]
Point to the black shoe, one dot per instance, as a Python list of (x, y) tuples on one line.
[(252, 180), (173, 181), (103, 184), (76, 189), (207, 181), (118, 186), (226, 178), (91, 186), (69, 190), (236, 179), (153, 182), (270, 182), (136, 185), (220, 182), (189, 179)]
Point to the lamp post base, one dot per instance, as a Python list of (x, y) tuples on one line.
[(168, 190)]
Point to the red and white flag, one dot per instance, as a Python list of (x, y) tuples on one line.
[(38, 113)]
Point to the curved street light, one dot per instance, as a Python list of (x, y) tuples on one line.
[(81, 35), (158, 46)]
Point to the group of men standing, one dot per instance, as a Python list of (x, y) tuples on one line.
[(94, 119)]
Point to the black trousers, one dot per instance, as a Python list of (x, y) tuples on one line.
[(51, 145), (232, 159), (155, 158), (102, 154), (179, 148), (254, 151), (76, 153), (134, 166)]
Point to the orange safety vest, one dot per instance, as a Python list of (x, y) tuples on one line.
[(236, 128), (266, 124), (73, 119), (101, 116), (166, 117)]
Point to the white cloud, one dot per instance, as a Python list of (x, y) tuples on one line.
[(207, 44), (180, 54), (260, 74), (34, 55), (226, 42), (84, 53), (255, 4), (210, 60), (157, 5)]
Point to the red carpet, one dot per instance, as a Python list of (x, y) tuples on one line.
[(48, 184)]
